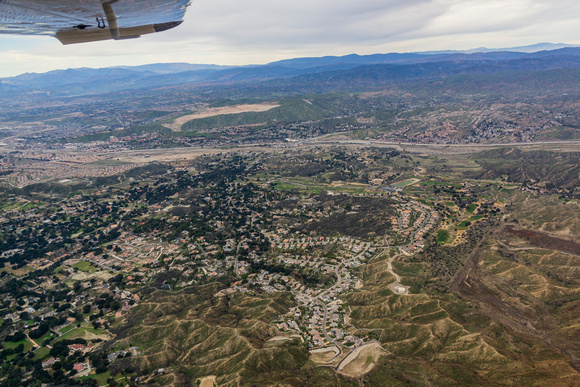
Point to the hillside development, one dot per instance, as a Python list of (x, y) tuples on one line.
[(392, 224), (299, 266)]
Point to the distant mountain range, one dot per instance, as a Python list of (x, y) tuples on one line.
[(530, 48), (340, 71), (170, 68)]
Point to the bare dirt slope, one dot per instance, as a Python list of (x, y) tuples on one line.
[(499, 297), (361, 360), (211, 112), (544, 240), (195, 334)]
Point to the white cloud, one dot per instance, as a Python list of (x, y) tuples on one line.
[(260, 31), (303, 22), (476, 16)]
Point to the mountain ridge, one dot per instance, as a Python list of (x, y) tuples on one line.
[(394, 66)]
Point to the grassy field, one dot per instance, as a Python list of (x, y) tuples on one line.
[(405, 183), (472, 207), (463, 225), (458, 163), (100, 378), (442, 236), (49, 335), (85, 331), (85, 266), (41, 353), (17, 272), (67, 329), (11, 345)]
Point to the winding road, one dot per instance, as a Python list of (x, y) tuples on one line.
[(396, 286), (237, 255)]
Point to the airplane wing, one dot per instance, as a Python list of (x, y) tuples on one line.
[(79, 21)]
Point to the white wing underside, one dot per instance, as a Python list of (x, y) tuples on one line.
[(76, 21)]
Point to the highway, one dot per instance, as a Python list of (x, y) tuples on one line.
[(322, 140)]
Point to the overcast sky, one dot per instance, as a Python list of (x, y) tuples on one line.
[(234, 32)]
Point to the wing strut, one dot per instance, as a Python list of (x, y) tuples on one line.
[(111, 19)]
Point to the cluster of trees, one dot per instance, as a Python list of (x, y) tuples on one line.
[(62, 370), (27, 239), (446, 260)]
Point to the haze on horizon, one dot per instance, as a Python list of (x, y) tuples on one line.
[(227, 32)]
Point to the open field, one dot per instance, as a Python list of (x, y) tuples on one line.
[(84, 332), (406, 183), (361, 360), (85, 267), (11, 345), (208, 381), (212, 112)]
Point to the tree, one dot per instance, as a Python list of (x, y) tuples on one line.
[(37, 333), (115, 305)]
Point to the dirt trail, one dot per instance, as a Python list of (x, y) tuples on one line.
[(396, 286), (324, 355), (32, 341)]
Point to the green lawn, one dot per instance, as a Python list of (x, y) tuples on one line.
[(471, 208), (406, 182), (100, 378), (285, 186), (477, 217), (41, 353), (67, 328), (463, 225), (28, 206), (58, 269), (49, 335), (72, 334), (81, 332), (10, 345), (84, 266), (442, 236)]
